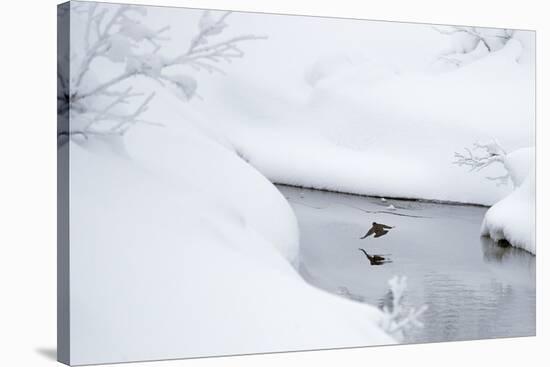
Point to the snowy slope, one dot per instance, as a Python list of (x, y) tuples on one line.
[(366, 130), (180, 244), (181, 249)]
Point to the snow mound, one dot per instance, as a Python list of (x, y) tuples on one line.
[(518, 163), (179, 248), (513, 218), (330, 71), (364, 136)]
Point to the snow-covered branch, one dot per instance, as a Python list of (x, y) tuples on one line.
[(472, 31), (398, 318), (201, 55), (492, 153), (120, 37), (467, 44)]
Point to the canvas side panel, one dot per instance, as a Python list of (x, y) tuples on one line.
[(63, 246)]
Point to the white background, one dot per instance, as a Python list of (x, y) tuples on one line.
[(28, 181)]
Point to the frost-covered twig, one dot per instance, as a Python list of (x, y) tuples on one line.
[(465, 42), (492, 153), (472, 31), (120, 123), (201, 57), (475, 163), (399, 319), (119, 37)]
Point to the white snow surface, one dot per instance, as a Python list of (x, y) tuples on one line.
[(181, 249), (393, 135), (513, 218)]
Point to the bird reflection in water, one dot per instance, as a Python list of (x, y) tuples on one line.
[(376, 259)]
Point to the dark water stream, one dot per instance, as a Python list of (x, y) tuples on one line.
[(473, 287)]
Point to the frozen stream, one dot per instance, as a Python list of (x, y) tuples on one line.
[(474, 288)]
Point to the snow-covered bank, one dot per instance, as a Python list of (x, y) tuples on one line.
[(513, 218), (181, 249), (392, 135), (181, 246)]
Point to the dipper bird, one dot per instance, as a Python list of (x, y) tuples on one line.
[(378, 229), (374, 259)]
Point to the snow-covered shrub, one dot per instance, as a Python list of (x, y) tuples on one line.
[(399, 318), (467, 44), (98, 104)]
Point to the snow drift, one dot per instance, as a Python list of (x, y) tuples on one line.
[(181, 249), (365, 130), (180, 244)]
